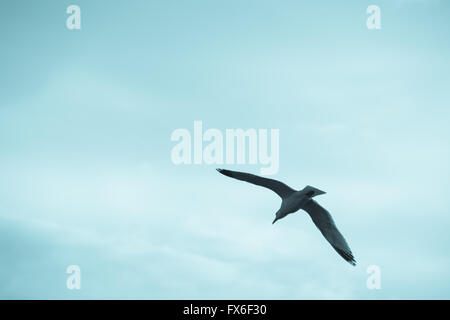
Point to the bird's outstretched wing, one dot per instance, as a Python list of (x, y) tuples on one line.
[(276, 186), (323, 220)]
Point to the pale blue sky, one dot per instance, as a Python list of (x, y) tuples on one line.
[(86, 175)]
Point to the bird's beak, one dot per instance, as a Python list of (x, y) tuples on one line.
[(274, 220)]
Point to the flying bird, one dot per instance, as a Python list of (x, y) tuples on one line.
[(293, 200)]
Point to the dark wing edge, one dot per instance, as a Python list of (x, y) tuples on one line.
[(276, 186), (325, 223)]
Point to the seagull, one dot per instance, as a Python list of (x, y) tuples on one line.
[(293, 200)]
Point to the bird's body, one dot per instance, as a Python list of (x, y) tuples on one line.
[(293, 200)]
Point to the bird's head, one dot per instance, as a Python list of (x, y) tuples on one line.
[(312, 192)]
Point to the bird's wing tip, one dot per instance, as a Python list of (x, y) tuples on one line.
[(351, 260), (347, 255), (226, 172)]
